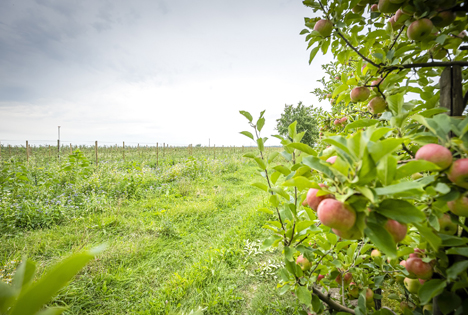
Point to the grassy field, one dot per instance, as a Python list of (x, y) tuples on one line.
[(180, 236)]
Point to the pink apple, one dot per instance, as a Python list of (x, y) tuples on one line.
[(337, 215), (396, 229), (332, 159), (458, 173), (419, 29), (459, 206), (313, 200), (324, 27), (435, 153), (359, 94), (377, 105)]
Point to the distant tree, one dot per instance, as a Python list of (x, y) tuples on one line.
[(307, 118)]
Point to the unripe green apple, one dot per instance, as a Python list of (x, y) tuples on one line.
[(419, 29), (446, 225), (377, 105), (353, 291), (359, 94), (459, 206), (303, 262), (385, 6), (376, 253), (416, 176), (406, 305), (369, 297), (324, 27), (435, 153), (337, 215), (412, 285), (458, 173), (427, 307)]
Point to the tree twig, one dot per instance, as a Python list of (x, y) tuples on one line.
[(334, 305)]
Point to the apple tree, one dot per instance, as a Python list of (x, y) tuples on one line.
[(381, 201)]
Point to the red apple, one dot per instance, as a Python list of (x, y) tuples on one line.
[(353, 290), (343, 120), (458, 173), (347, 279), (459, 206), (337, 122), (395, 26), (320, 277), (444, 18), (400, 17), (446, 225), (377, 105), (359, 94), (332, 159), (419, 29), (303, 262), (324, 27), (313, 200), (419, 268), (337, 215), (435, 153), (374, 8), (396, 229)]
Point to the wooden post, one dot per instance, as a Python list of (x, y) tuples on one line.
[(157, 153), (27, 151), (214, 151), (96, 151), (163, 149), (123, 150), (58, 149), (9, 150), (71, 149)]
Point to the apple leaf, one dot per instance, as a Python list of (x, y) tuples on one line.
[(381, 238), (400, 210), (316, 164), (381, 148), (361, 123), (304, 295), (247, 134), (408, 187), (246, 115), (430, 289), (303, 147), (415, 167), (456, 269)]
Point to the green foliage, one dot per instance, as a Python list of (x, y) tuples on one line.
[(25, 297), (306, 118)]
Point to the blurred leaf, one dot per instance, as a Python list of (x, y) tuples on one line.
[(248, 134), (303, 147), (260, 123), (430, 289), (415, 167), (381, 238), (361, 123), (246, 115), (401, 211), (262, 186)]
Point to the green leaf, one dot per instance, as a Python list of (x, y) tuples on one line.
[(247, 134), (381, 148), (7, 295), (430, 289), (282, 169), (428, 235), (399, 188), (260, 144), (448, 301), (415, 167), (262, 186), (401, 211), (386, 169), (246, 115), (361, 123), (456, 269), (304, 295), (288, 253), (338, 141), (280, 192), (260, 163), (381, 238), (42, 291), (313, 52), (463, 251), (300, 182), (52, 311), (24, 274), (395, 103), (272, 156), (292, 130), (260, 123), (339, 89), (315, 163), (303, 147)]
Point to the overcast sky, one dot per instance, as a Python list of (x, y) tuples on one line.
[(150, 71)]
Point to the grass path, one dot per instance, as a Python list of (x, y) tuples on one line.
[(167, 254)]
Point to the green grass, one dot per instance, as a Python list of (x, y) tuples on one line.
[(168, 251)]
